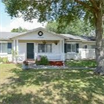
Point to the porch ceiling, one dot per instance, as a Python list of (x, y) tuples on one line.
[(39, 41)]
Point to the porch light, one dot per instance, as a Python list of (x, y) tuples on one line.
[(56, 42), (44, 42)]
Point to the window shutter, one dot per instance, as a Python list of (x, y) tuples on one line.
[(77, 48), (65, 47), (9, 47)]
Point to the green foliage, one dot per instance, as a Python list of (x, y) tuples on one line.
[(64, 10), (81, 63), (77, 27), (42, 61), (18, 30), (4, 59), (14, 53), (1, 60)]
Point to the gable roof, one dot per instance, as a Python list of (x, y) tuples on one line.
[(37, 29), (9, 35)]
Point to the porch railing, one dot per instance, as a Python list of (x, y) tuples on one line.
[(51, 57), (54, 56), (83, 54), (87, 53), (20, 58)]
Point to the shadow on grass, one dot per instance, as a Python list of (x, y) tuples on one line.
[(53, 87)]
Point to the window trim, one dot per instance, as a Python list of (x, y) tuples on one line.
[(71, 47), (1, 51), (45, 48)]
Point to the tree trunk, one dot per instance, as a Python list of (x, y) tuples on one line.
[(99, 51)]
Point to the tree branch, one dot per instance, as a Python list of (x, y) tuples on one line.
[(87, 6), (83, 3), (94, 4)]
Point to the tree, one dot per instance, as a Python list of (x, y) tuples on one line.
[(18, 30), (77, 27), (63, 10)]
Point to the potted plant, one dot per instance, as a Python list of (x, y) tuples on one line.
[(25, 65)]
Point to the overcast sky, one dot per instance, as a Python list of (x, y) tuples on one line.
[(7, 24)]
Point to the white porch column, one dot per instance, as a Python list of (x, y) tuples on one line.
[(14, 45), (63, 50), (14, 49), (36, 50), (17, 46)]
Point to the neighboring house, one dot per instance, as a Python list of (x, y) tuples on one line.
[(39, 41)]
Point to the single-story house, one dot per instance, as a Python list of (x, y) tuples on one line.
[(39, 41)]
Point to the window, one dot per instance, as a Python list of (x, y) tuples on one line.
[(93, 46), (71, 47), (42, 48), (3, 47)]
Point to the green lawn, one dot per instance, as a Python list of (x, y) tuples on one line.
[(49, 86), (81, 63)]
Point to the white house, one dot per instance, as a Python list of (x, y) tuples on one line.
[(39, 41)]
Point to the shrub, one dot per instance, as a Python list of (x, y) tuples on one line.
[(1, 60), (5, 60), (42, 60)]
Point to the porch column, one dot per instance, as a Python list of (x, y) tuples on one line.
[(36, 50), (14, 45), (63, 50), (13, 52), (17, 46)]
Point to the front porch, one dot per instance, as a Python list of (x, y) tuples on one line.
[(31, 49)]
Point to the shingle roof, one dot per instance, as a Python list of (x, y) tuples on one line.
[(82, 38), (7, 35)]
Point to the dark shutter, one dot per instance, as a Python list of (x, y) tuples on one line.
[(77, 48), (9, 47), (65, 47)]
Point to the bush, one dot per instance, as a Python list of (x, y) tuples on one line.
[(1, 60), (42, 60), (5, 60)]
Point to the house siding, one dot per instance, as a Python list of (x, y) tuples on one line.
[(59, 50)]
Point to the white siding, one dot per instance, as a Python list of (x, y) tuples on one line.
[(22, 51), (35, 36), (88, 53)]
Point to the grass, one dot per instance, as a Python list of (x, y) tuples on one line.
[(49, 86), (81, 63)]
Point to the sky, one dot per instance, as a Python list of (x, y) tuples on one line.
[(7, 24)]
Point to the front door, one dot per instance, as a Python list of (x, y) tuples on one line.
[(30, 50)]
